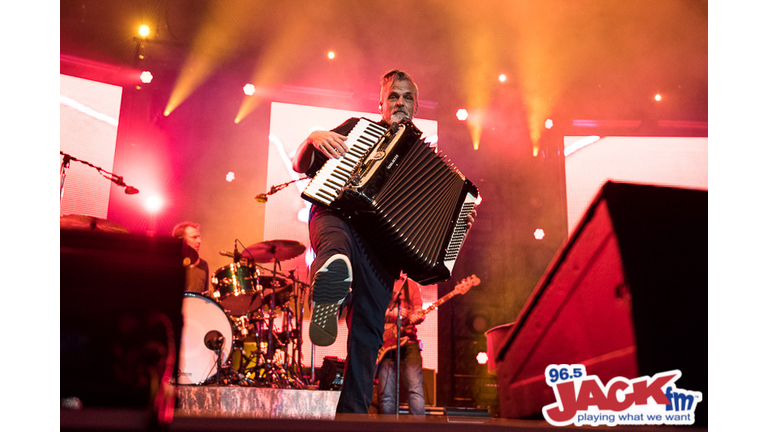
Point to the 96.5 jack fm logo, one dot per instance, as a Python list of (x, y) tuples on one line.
[(584, 400)]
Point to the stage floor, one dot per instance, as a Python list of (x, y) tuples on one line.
[(131, 420), (231, 408)]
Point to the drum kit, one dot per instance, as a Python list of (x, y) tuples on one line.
[(247, 333), (232, 336)]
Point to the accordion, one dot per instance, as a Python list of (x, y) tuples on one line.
[(409, 202)]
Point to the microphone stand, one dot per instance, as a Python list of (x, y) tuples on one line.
[(64, 167), (116, 179), (397, 356)]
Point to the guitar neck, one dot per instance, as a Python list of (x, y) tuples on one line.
[(440, 301)]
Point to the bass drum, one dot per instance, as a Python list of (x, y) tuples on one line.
[(204, 321)]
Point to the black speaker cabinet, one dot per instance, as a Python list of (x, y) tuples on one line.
[(625, 296), (121, 319)]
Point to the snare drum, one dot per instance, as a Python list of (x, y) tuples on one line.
[(235, 288), (202, 318)]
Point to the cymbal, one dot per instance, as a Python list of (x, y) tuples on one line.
[(90, 223), (274, 250)]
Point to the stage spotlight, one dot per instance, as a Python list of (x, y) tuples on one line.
[(331, 55), (482, 358), (502, 78), (548, 123), (230, 177), (539, 234), (144, 30), (146, 77), (657, 98), (462, 114), (154, 203), (249, 89)]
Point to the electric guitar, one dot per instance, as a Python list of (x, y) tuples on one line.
[(390, 330)]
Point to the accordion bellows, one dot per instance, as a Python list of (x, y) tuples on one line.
[(408, 202)]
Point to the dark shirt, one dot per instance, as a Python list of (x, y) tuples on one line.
[(197, 278)]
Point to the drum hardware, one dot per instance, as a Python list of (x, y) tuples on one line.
[(205, 323), (252, 297), (234, 287), (214, 341)]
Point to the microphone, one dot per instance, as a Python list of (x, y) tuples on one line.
[(214, 340), (226, 254), (262, 198), (236, 254), (130, 190)]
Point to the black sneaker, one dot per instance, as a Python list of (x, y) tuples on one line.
[(330, 287)]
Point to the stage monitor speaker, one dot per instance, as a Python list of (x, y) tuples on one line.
[(120, 306), (331, 373), (625, 296)]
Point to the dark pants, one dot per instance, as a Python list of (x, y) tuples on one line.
[(371, 291)]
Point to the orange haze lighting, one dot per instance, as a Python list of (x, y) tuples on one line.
[(144, 30)]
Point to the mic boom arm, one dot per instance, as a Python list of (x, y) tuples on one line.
[(116, 179), (262, 197)]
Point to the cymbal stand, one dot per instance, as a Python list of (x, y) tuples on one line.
[(298, 343), (275, 285), (291, 366), (273, 373)]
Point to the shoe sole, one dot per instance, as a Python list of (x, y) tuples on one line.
[(330, 287)]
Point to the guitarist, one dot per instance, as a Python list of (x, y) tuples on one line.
[(407, 293)]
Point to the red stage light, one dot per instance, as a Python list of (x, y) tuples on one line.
[(482, 358), (462, 114), (146, 77), (249, 89), (539, 234)]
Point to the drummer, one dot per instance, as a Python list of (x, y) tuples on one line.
[(196, 266)]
